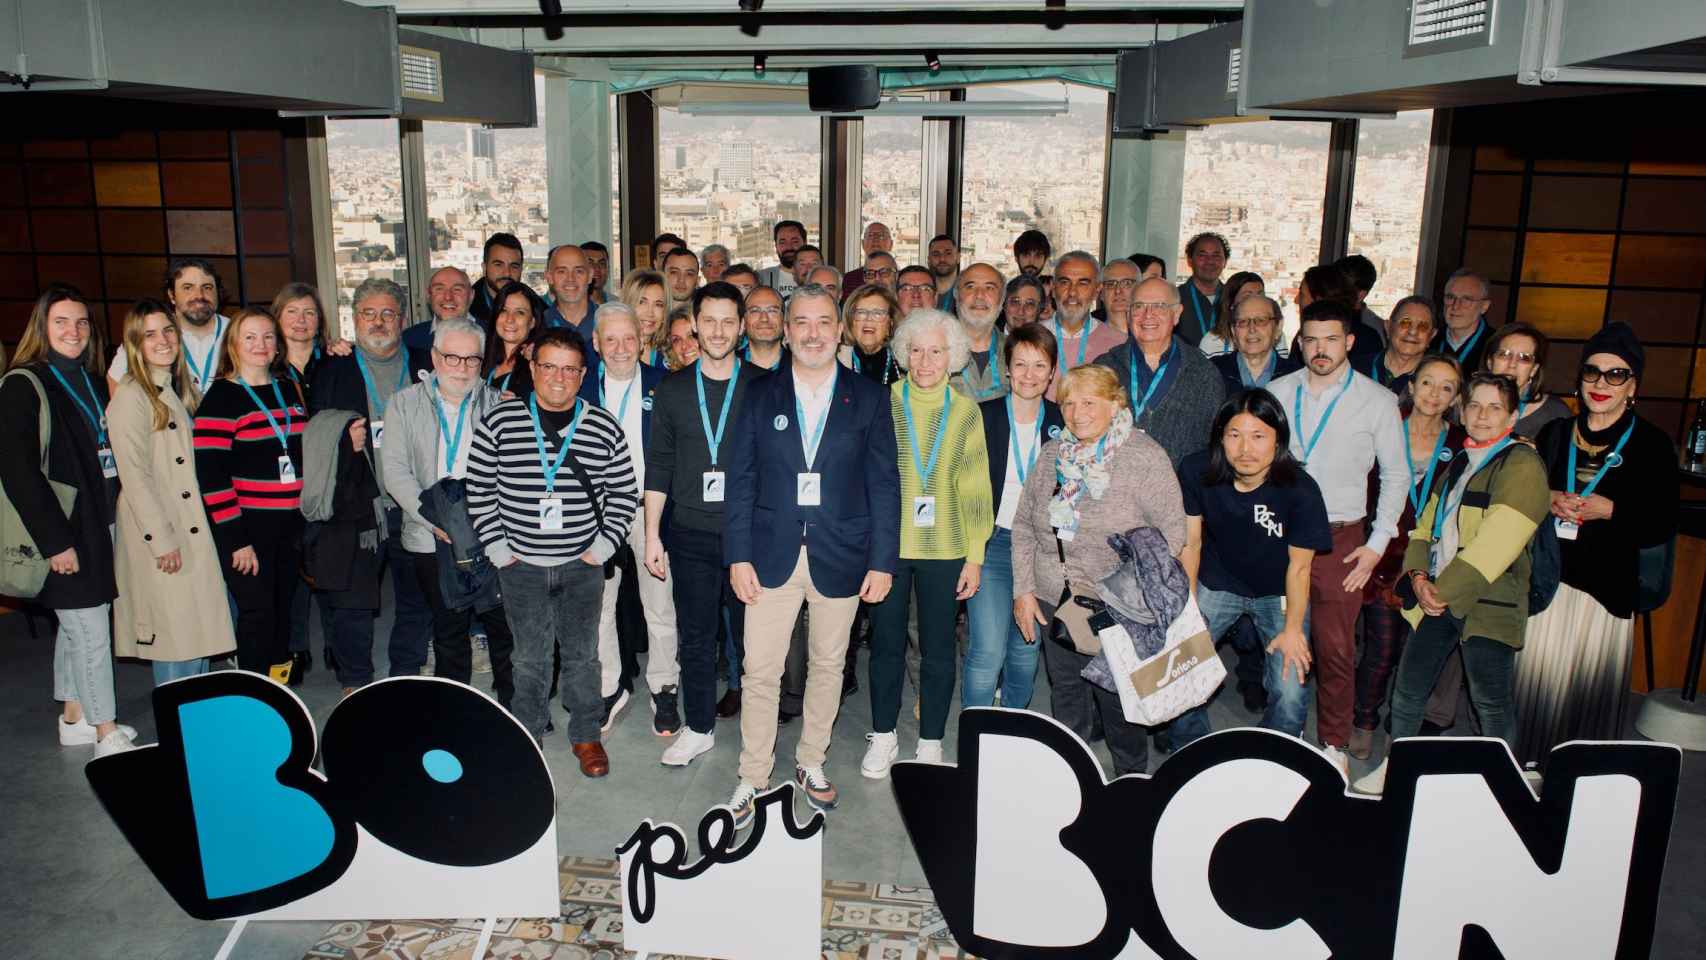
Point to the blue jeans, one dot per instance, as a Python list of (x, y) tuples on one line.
[(1288, 700), (83, 662), (549, 606), (165, 671), (1489, 665), (995, 648)]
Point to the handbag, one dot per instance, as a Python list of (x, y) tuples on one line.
[(614, 564), (23, 568), (1079, 603), (1182, 676)]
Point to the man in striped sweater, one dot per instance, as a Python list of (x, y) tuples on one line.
[(551, 492)]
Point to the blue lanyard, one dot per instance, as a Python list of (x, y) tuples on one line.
[(1267, 371), (375, 408), (282, 435), (888, 363), (1297, 404), (654, 358), (1446, 507), (98, 422), (715, 440), (1137, 407), (546, 464), (622, 412), (1022, 463), (746, 352), (810, 444), (1197, 300), (452, 442), (1083, 336), (1417, 499), (994, 370), (1612, 459), (1374, 369), (925, 467), (505, 384), (204, 370), (1468, 345)]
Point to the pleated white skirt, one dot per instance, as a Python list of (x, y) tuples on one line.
[(1572, 675)]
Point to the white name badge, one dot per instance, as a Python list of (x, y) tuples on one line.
[(924, 511), (1064, 534), (1567, 529), (551, 514), (109, 463), (376, 430), (712, 487), (809, 489), (286, 469)]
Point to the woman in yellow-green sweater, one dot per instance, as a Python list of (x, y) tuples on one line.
[(946, 515)]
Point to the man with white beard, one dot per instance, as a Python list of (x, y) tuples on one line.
[(978, 296)]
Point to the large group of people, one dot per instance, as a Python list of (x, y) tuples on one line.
[(749, 473)]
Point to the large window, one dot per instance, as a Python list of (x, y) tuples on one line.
[(893, 163), (727, 180), (480, 182), (368, 238), (1386, 208), (1042, 172), (614, 285), (1261, 186)]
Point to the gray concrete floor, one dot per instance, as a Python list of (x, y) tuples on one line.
[(77, 890)]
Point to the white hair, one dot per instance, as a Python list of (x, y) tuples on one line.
[(824, 266), (926, 319), (1082, 256), (715, 248), (456, 325), (612, 310), (810, 291), (1113, 263)]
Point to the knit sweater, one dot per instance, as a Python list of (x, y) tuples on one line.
[(965, 506), (236, 462), (506, 484), (1180, 419)]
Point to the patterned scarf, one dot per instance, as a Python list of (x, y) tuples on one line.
[(1082, 467)]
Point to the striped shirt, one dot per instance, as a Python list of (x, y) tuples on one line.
[(237, 466), (506, 486)]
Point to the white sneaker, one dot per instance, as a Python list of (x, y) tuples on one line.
[(880, 755), (115, 742), (930, 751), (691, 743), (741, 803), (1374, 784), (482, 656), (82, 733), (1340, 759)]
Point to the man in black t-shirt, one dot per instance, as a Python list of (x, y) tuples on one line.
[(1253, 522)]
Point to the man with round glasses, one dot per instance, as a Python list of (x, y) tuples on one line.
[(1465, 334)]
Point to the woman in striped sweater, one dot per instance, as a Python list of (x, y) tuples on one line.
[(248, 460), (947, 514)]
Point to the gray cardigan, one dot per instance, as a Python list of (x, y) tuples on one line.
[(411, 452), (1180, 420)]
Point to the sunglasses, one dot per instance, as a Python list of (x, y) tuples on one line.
[(1616, 376)]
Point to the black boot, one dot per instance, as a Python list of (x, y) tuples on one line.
[(300, 664)]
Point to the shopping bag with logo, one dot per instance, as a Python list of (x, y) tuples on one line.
[(1156, 689)]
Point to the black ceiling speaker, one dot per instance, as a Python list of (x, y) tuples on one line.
[(844, 89)]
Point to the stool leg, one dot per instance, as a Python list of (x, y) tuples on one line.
[(1647, 644)]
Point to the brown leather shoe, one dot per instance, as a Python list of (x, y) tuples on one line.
[(594, 761), (729, 706)]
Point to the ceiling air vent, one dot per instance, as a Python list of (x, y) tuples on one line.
[(1437, 26), (422, 73), (1234, 68)]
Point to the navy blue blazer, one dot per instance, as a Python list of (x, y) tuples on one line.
[(650, 377), (856, 530), (997, 432)]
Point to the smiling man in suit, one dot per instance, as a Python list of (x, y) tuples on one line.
[(813, 516)]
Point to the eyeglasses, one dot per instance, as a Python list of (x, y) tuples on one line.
[(1452, 299), (1249, 323), (872, 313), (1017, 304), (1127, 284), (1616, 376), (918, 288), (547, 370), (1153, 306), (369, 314), (1514, 355), (880, 272), (456, 360)]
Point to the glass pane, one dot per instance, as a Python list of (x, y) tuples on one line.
[(1041, 172), (616, 257), (1386, 206), (894, 178), (1261, 185), (366, 172), (728, 180)]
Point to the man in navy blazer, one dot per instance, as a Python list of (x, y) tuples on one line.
[(813, 516), (622, 386)]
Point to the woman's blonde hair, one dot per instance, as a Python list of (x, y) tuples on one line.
[(228, 365), (1094, 379), (135, 327), (633, 287), (33, 345)]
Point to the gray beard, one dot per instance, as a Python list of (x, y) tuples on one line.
[(972, 323)]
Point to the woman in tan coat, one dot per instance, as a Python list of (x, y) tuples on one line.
[(172, 608)]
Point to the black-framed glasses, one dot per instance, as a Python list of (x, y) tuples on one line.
[(1616, 376), (459, 360)]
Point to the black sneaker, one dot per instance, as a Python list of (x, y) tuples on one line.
[(613, 707), (1255, 699), (666, 712)]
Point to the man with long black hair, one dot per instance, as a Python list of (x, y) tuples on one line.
[(1253, 523)]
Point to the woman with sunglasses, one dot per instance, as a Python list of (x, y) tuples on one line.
[(1518, 351), (1614, 492)]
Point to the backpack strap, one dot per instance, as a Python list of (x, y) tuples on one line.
[(44, 420)]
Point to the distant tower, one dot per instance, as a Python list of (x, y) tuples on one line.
[(680, 158), (482, 145), (734, 164)]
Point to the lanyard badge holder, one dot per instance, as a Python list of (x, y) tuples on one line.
[(808, 485), (1326, 415), (551, 505), (1570, 529), (376, 425), (286, 468), (712, 488), (103, 449), (924, 506), (202, 374)]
